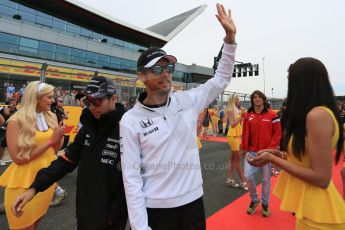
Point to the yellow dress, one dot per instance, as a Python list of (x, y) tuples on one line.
[(214, 117), (314, 207), (235, 131), (234, 135), (18, 178)]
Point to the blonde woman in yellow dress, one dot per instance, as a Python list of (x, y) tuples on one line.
[(312, 129), (234, 136), (32, 136)]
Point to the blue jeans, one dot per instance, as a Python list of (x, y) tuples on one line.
[(249, 172)]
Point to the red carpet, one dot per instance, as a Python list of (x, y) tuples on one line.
[(234, 215), (216, 139)]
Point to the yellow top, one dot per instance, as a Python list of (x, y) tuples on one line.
[(22, 176), (306, 200), (214, 115), (237, 130)]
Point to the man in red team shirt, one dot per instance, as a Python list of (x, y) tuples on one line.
[(261, 130)]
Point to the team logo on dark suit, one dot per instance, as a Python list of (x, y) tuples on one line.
[(146, 123)]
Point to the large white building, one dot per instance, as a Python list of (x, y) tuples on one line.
[(66, 42)]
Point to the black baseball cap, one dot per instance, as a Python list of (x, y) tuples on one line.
[(99, 87), (151, 56)]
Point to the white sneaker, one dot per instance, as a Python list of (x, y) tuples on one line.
[(58, 199), (231, 183), (244, 186)]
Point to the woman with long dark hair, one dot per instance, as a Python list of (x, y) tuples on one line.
[(206, 123), (312, 129)]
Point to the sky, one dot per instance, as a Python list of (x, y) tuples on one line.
[(272, 33)]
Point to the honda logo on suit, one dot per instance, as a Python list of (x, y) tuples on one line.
[(146, 123)]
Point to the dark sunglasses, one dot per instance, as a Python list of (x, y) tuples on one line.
[(95, 101), (158, 70)]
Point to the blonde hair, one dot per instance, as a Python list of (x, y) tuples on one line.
[(27, 116), (231, 106)]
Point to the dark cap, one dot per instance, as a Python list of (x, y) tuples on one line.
[(100, 87), (151, 56)]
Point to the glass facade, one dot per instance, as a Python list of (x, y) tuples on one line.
[(11, 9), (181, 76), (18, 45), (14, 44)]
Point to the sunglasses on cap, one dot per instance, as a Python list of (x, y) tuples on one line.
[(158, 70), (95, 101)]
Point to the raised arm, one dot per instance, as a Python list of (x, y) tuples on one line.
[(233, 120), (12, 133), (228, 24), (203, 95)]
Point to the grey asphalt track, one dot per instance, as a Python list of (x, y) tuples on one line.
[(214, 165)]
